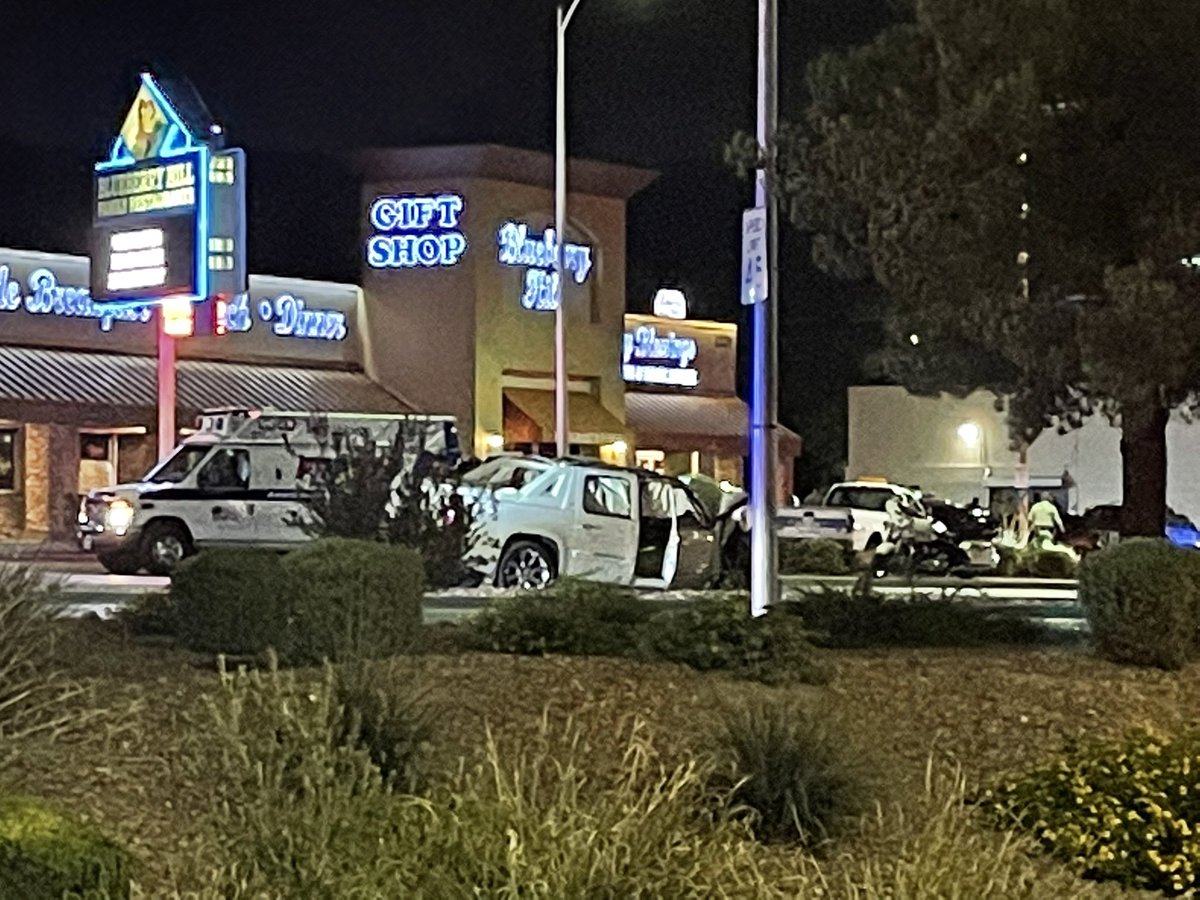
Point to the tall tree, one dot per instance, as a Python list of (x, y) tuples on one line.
[(1022, 178)]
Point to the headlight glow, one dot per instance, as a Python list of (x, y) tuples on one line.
[(119, 516)]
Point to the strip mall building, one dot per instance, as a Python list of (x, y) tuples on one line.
[(451, 317)]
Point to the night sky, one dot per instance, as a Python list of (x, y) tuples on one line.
[(655, 83)]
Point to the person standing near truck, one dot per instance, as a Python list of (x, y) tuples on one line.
[(1045, 520)]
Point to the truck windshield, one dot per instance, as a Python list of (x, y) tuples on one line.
[(176, 467)]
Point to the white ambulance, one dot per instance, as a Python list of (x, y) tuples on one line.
[(244, 479)]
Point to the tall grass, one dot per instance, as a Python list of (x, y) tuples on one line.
[(35, 696), (787, 764)]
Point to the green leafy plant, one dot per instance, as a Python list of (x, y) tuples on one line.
[(717, 633), (788, 764), (151, 613), (1038, 562), (571, 616), (1127, 811), (818, 556), (1142, 602), (47, 855), (350, 600), (230, 601)]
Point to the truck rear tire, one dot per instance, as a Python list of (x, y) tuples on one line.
[(527, 565), (164, 546), (119, 563)]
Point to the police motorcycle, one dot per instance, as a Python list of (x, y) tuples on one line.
[(917, 545)]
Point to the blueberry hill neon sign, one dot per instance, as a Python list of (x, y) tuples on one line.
[(537, 252), (416, 232), (650, 358)]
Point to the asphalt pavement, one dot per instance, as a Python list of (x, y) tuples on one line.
[(87, 589)]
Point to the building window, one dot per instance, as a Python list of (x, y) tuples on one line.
[(8, 459)]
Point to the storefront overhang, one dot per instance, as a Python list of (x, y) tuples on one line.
[(591, 423), (685, 422), (74, 387)]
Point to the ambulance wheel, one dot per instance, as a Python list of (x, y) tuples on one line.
[(164, 546), (120, 563)]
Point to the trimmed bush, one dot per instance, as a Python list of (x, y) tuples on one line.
[(718, 634), (1126, 811), (1141, 601), (230, 601), (571, 616), (45, 855), (841, 620), (351, 600), (148, 614), (818, 556), (784, 762)]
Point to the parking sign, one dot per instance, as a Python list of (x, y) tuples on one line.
[(754, 256)]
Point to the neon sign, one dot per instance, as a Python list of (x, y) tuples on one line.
[(647, 358), (416, 232), (537, 253), (287, 315), (47, 297)]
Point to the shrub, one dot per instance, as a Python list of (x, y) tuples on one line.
[(352, 600), (383, 711), (718, 633), (45, 855), (151, 613), (818, 556), (1128, 811), (784, 762), (1140, 598), (34, 696), (1037, 562), (841, 620), (571, 616), (230, 601)]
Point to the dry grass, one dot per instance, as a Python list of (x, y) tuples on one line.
[(989, 711)]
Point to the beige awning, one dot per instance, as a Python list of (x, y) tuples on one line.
[(683, 422), (591, 422)]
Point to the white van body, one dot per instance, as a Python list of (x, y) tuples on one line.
[(244, 479)]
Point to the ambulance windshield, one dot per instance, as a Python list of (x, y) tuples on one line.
[(179, 464)]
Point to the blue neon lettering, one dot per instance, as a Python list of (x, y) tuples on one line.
[(538, 254), (644, 346), (415, 231), (47, 297)]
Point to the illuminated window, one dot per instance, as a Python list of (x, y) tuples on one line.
[(8, 459)]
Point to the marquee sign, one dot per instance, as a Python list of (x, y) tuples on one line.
[(169, 209), (537, 254), (650, 358)]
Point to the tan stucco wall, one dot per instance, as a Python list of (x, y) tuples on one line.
[(447, 338)]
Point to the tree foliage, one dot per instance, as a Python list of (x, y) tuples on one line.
[(979, 133)]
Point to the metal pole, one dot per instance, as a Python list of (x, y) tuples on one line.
[(166, 388), (561, 421), (764, 399)]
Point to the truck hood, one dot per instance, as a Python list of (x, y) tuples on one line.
[(130, 491)]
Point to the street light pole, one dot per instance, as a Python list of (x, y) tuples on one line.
[(561, 412), (764, 397)]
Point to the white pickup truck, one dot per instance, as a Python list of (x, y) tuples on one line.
[(867, 502)]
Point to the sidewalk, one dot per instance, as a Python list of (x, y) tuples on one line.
[(35, 547)]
